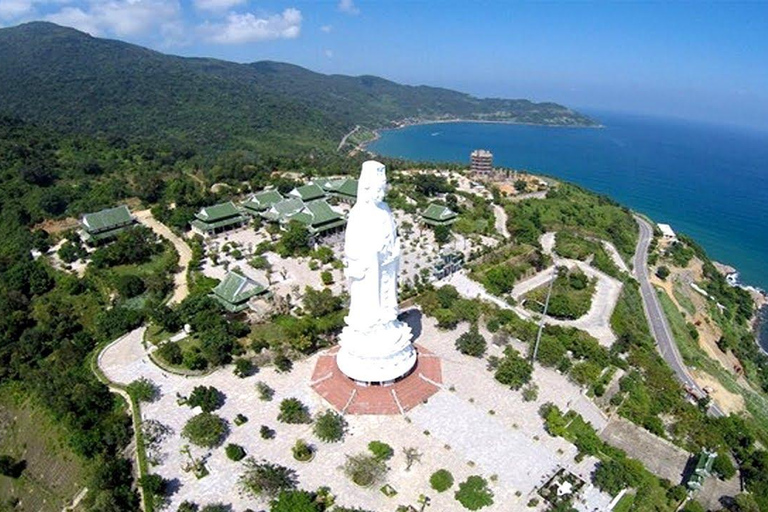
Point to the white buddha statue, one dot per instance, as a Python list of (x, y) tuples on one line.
[(375, 345)]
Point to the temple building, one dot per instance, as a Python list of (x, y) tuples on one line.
[(104, 225), (319, 218), (307, 193), (218, 218), (235, 291), (438, 215), (343, 189), (261, 202)]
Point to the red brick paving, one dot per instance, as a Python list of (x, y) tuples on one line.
[(347, 396)]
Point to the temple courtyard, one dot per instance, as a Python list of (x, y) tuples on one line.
[(471, 425)]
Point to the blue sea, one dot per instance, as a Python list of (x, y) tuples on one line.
[(707, 181)]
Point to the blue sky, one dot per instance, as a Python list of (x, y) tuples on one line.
[(690, 60)]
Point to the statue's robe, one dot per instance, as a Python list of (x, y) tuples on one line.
[(372, 251)]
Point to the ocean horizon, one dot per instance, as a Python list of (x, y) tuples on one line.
[(707, 181)]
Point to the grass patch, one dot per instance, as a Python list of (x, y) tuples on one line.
[(682, 298), (571, 296), (625, 503)]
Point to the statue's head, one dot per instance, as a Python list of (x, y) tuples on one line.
[(373, 182)]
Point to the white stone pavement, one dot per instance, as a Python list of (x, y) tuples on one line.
[(515, 425)]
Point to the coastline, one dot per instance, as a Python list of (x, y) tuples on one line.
[(405, 123)]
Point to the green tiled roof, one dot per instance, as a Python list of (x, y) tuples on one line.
[(106, 220), (322, 213), (217, 212), (261, 201), (285, 209), (103, 235), (235, 290), (308, 192), (348, 188), (439, 214)]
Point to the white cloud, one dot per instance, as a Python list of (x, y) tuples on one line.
[(348, 6), (248, 28), (328, 53), (10, 9), (217, 5), (326, 28), (119, 17)]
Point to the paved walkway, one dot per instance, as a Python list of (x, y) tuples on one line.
[(496, 448), (597, 321), (181, 289)]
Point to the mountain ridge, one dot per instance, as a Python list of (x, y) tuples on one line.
[(65, 78)]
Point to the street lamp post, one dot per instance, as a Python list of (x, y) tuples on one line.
[(544, 314)]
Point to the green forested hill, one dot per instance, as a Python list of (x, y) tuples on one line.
[(69, 80)]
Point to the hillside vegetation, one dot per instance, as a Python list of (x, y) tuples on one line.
[(69, 80)]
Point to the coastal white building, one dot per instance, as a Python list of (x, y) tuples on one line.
[(667, 232)]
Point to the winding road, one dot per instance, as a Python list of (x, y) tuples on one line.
[(657, 321)]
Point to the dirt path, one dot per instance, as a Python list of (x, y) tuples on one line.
[(344, 139), (76, 501), (501, 220), (181, 289)]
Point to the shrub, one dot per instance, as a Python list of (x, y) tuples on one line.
[(327, 277), (206, 430), (216, 507), (235, 452), (171, 353), (302, 451), (441, 480), (240, 419), (264, 391), (474, 493), (188, 506), (266, 433), (143, 390), (266, 479), (330, 426), (282, 363), (382, 451), (293, 411), (243, 367), (662, 272), (208, 398), (364, 469), (471, 343)]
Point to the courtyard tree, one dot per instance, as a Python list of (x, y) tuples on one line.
[(143, 390), (441, 480), (266, 478), (471, 343), (364, 469), (295, 501), (206, 430), (244, 367), (235, 452), (474, 493), (208, 398), (330, 426), (380, 450), (513, 370), (295, 240), (292, 410)]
